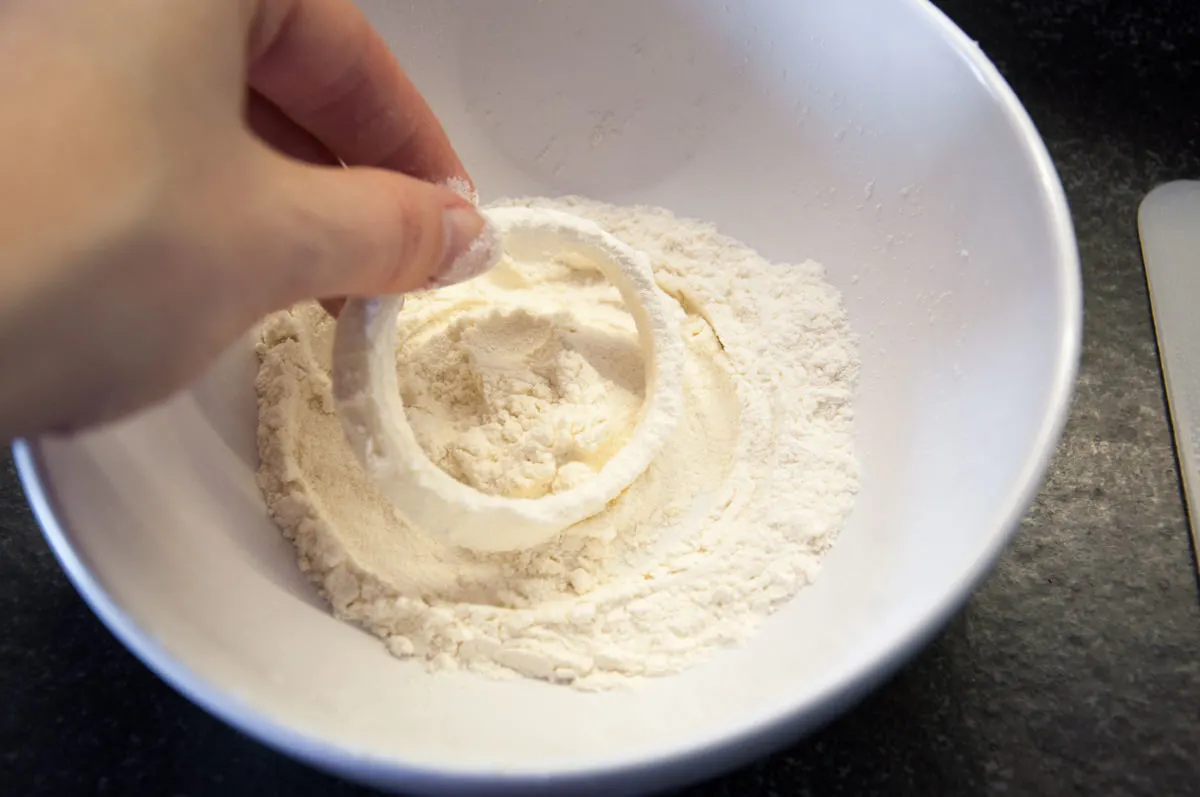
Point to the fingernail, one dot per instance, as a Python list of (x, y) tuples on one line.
[(461, 187), (472, 247)]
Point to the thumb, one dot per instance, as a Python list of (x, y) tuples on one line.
[(365, 232)]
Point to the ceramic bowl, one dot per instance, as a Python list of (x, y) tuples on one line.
[(873, 137)]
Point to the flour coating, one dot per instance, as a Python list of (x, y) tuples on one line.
[(729, 521)]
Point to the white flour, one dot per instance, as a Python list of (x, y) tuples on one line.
[(727, 524)]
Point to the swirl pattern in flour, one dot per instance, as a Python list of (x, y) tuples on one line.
[(523, 383)]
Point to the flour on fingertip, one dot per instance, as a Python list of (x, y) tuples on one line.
[(461, 187)]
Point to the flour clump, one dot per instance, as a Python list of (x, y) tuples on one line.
[(524, 383), (506, 404)]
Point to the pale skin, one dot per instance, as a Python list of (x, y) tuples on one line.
[(170, 174)]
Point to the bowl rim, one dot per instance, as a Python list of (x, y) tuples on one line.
[(697, 758)]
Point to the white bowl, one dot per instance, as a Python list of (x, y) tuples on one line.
[(873, 137)]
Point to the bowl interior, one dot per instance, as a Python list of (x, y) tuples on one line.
[(870, 137)]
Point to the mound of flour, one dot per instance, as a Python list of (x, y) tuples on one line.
[(728, 523)]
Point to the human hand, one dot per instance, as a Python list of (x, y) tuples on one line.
[(169, 174)]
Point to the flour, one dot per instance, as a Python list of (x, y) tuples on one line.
[(727, 523), (367, 391), (477, 389)]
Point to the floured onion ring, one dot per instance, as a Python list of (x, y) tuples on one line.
[(367, 393)]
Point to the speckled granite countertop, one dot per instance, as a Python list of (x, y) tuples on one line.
[(1074, 670)]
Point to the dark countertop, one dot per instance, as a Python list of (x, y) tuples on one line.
[(1074, 670)]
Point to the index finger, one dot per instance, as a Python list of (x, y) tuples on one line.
[(325, 67)]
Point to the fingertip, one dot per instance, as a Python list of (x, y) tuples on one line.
[(471, 248), (461, 185), (361, 232)]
